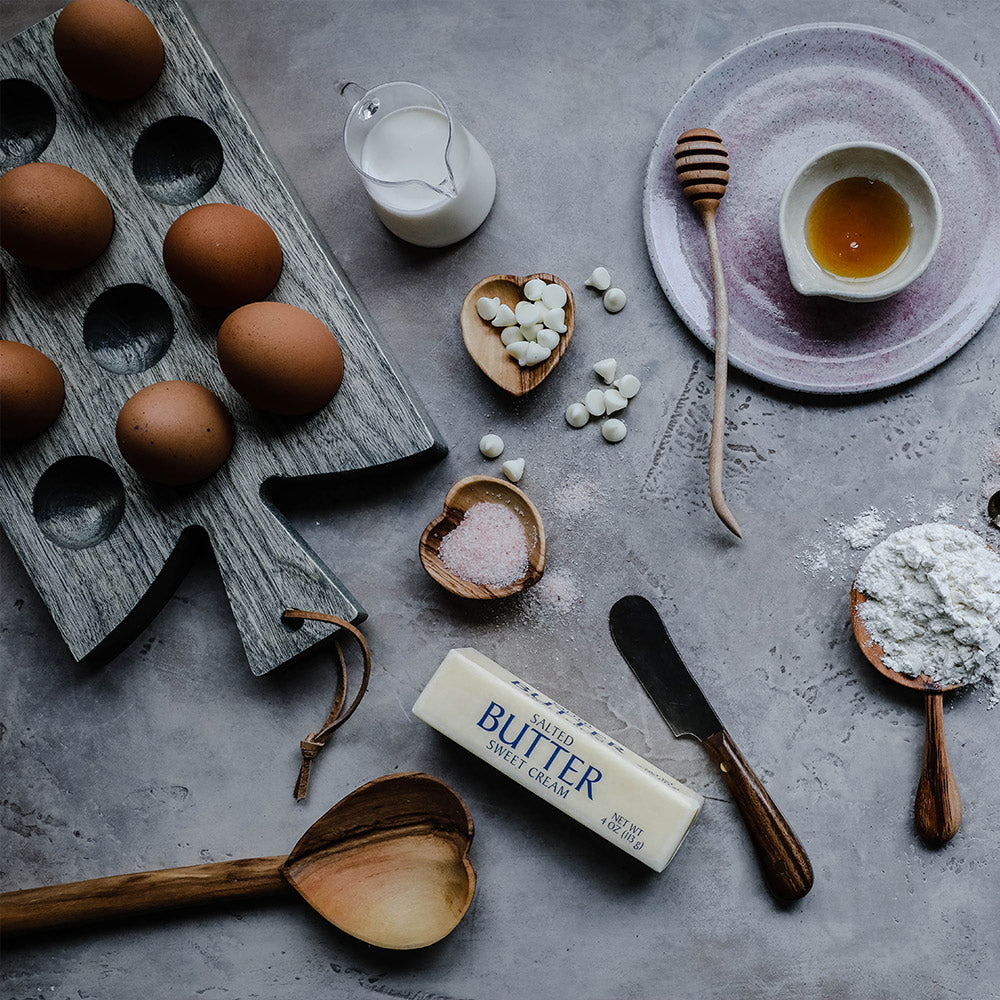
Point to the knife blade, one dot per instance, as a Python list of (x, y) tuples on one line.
[(642, 639)]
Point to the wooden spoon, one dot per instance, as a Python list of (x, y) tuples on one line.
[(465, 493), (483, 340), (937, 808), (702, 164), (388, 864)]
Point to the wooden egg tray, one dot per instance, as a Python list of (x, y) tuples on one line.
[(105, 548)]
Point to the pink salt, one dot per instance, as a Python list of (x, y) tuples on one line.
[(487, 546)]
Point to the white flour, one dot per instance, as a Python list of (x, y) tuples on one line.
[(934, 604), (867, 527)]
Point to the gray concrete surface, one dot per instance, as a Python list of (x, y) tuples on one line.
[(173, 754)]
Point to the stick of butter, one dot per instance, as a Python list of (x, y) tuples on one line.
[(558, 756)]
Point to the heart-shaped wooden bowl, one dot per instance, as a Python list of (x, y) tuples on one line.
[(462, 496), (389, 864), (482, 340)]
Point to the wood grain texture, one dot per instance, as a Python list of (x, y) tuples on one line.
[(783, 861), (29, 912), (102, 590), (388, 863), (482, 340), (702, 164), (937, 805), (463, 495)]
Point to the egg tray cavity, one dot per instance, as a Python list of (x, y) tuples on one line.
[(105, 548)]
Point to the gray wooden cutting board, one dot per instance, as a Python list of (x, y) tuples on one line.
[(105, 548)]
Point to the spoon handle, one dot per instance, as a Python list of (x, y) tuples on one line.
[(937, 809), (28, 911), (782, 858)]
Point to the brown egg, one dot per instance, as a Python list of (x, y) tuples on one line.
[(53, 217), (31, 391), (222, 256), (108, 48), (174, 433), (280, 358)]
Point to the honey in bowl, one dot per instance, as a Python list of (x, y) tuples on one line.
[(858, 227)]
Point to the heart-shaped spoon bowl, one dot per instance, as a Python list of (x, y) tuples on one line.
[(390, 864), (463, 495), (482, 340)]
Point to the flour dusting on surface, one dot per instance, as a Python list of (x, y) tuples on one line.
[(865, 530), (831, 551)]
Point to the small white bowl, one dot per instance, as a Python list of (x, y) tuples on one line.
[(859, 159)]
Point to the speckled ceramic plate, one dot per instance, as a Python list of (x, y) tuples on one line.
[(778, 100)]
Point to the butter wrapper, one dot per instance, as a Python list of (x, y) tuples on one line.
[(555, 754)]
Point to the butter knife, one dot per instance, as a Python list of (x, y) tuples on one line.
[(642, 639)]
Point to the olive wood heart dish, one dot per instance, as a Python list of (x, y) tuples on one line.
[(463, 495), (482, 340), (388, 864)]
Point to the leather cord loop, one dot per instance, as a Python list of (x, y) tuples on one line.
[(314, 742)]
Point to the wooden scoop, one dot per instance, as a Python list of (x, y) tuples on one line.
[(388, 864), (482, 340), (465, 493), (702, 164), (937, 808)]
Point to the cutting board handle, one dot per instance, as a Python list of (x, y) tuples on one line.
[(782, 859), (266, 568)]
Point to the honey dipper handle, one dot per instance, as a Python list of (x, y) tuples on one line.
[(717, 444), (702, 164), (937, 810), (26, 912)]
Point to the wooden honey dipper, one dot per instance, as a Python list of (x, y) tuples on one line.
[(702, 164)]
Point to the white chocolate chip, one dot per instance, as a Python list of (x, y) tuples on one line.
[(628, 385), (599, 279), (504, 317), (514, 469), (577, 415), (614, 300), (511, 335), (535, 354), (487, 308), (530, 332), (554, 296), (547, 338), (533, 289), (527, 313), (614, 430), (517, 350), (555, 319), (606, 369), (491, 445), (614, 401), (594, 401)]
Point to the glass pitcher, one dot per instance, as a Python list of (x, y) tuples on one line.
[(430, 182)]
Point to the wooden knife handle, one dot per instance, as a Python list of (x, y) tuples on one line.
[(28, 911), (782, 859)]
